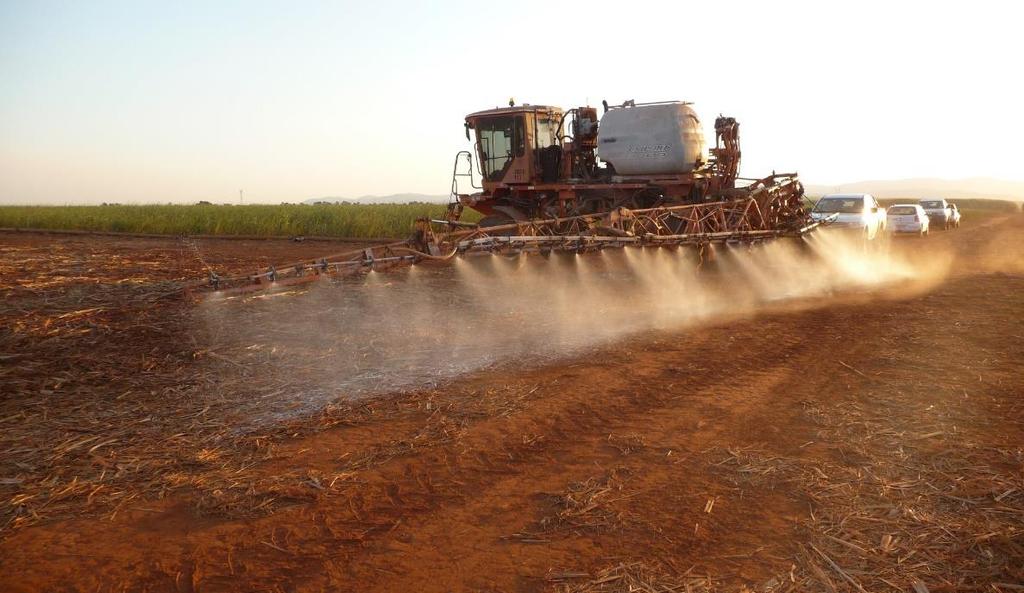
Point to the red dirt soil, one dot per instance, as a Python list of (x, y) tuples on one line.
[(868, 443)]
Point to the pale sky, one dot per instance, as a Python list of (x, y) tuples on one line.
[(142, 101)]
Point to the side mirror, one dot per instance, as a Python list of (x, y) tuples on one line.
[(466, 125)]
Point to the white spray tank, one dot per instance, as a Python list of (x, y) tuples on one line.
[(652, 139)]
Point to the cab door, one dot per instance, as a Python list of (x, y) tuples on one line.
[(501, 146)]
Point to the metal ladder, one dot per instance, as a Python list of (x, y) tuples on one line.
[(454, 205)]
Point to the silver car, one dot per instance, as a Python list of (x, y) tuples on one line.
[(908, 218)]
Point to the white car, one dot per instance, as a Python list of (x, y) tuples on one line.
[(938, 211), (859, 212), (908, 218)]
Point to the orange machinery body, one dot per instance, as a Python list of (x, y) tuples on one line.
[(537, 161)]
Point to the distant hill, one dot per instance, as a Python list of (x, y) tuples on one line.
[(389, 199), (974, 187)]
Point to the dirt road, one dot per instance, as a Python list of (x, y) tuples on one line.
[(872, 442)]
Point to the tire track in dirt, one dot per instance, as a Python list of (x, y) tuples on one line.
[(488, 466)]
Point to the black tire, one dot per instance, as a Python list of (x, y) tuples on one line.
[(499, 219)]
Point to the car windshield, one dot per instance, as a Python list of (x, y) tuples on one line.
[(842, 205), (932, 204), (902, 210)]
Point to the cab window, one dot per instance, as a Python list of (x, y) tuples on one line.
[(500, 139), (547, 129)]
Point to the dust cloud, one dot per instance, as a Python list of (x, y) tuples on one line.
[(423, 325), (1002, 253)]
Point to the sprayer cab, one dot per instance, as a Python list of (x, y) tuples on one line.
[(511, 143)]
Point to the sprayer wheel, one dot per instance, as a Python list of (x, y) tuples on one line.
[(492, 220)]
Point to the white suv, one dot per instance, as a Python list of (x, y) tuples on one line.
[(859, 212)]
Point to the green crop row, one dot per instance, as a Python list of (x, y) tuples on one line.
[(358, 221)]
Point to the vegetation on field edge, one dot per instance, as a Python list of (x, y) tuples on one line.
[(357, 221)]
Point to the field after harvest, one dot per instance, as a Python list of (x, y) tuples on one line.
[(362, 221), (841, 425)]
